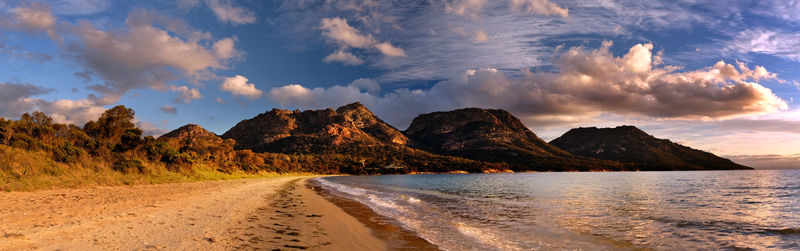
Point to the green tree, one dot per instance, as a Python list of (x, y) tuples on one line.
[(111, 125)]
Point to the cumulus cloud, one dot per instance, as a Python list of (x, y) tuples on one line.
[(33, 18), (589, 83), (544, 7), (18, 98), (339, 32), (169, 109), (371, 86), (226, 11), (146, 56), (238, 86), (776, 43), (185, 94), (225, 48)]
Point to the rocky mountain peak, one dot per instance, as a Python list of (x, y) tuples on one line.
[(318, 128)]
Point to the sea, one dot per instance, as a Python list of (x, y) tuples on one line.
[(677, 210)]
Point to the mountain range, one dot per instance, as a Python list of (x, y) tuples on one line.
[(469, 139)]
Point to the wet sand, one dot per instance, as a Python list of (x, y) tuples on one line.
[(251, 214)]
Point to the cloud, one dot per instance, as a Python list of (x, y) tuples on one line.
[(33, 18), (769, 161), (339, 32), (185, 94), (544, 7), (238, 86), (79, 7), (150, 129), (389, 50), (18, 98), (11, 91), (371, 86), (219, 100), (343, 57), (467, 8), (169, 109), (225, 11), (225, 48), (518, 39), (146, 56), (589, 83), (770, 42), (481, 37)]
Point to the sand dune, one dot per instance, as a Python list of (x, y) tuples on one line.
[(269, 213)]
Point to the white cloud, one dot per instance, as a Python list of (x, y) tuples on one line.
[(338, 31), (225, 48), (544, 7), (343, 57), (238, 86), (776, 43), (185, 94), (389, 50), (225, 11), (590, 82), (33, 18), (145, 56)]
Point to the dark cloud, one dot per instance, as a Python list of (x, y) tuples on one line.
[(169, 109)]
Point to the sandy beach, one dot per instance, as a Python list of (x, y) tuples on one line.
[(267, 213)]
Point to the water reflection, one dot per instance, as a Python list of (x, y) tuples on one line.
[(650, 210)]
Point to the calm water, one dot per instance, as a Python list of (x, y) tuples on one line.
[(590, 211)]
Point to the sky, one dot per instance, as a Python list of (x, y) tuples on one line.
[(719, 76)]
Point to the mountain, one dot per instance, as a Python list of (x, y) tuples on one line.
[(494, 136), (350, 134), (313, 131), (191, 134), (638, 149)]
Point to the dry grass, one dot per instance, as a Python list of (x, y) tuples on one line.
[(22, 170)]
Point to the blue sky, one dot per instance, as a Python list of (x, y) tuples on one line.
[(715, 75)]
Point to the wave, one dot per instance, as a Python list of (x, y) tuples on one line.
[(424, 219)]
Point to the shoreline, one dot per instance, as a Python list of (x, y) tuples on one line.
[(384, 228), (265, 213)]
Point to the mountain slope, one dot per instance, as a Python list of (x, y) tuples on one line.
[(312, 131), (494, 136), (640, 150)]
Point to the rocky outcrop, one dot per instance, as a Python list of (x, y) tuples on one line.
[(313, 130), (639, 150)]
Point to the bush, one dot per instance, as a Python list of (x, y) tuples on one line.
[(67, 153), (128, 166)]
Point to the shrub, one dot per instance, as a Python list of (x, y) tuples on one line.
[(128, 166), (67, 153)]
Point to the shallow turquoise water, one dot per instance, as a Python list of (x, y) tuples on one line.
[(757, 209)]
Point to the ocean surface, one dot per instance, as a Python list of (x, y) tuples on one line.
[(590, 211)]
